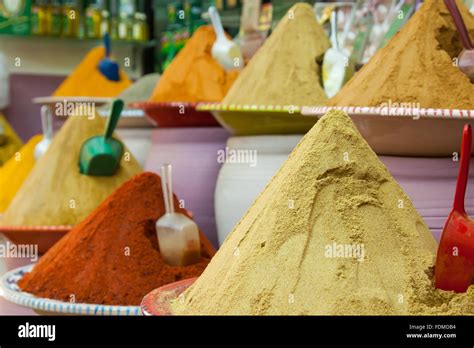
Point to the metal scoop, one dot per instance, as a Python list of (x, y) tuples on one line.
[(178, 236), (466, 57), (47, 125), (455, 261)]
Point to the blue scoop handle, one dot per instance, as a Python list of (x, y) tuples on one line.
[(117, 107), (107, 44)]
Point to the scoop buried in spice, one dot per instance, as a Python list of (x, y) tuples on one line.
[(225, 51), (100, 155), (455, 260), (107, 66), (178, 236), (466, 57), (47, 125)]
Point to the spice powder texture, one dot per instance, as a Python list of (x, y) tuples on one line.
[(332, 234), (112, 257)]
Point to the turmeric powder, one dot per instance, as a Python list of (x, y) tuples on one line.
[(15, 171), (11, 144), (87, 81), (194, 75)]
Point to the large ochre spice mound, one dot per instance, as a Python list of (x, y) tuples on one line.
[(112, 257), (416, 66), (87, 81), (194, 75), (55, 192), (11, 143), (332, 234), (285, 70)]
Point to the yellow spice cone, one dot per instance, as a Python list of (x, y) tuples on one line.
[(87, 81), (15, 171), (13, 143)]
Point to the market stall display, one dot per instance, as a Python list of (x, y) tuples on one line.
[(312, 242), (417, 66), (9, 141), (115, 245), (193, 76), (282, 76), (62, 195)]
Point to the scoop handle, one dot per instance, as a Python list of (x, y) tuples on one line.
[(463, 170), (459, 22), (107, 44), (334, 30), (116, 111), (167, 187), (47, 122), (216, 22)]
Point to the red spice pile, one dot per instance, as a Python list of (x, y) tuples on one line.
[(112, 257)]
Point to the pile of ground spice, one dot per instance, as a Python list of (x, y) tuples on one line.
[(416, 66), (87, 81), (16, 170), (55, 192), (113, 257), (194, 75), (11, 144), (332, 234), (286, 69)]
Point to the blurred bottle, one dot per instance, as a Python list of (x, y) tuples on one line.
[(140, 25), (39, 22), (93, 21), (54, 18), (105, 24), (71, 19), (114, 19), (125, 23)]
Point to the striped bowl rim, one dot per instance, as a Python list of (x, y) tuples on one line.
[(12, 293)]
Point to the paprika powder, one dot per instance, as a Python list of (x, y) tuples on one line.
[(113, 257)]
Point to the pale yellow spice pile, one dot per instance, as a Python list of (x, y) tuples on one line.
[(55, 192), (285, 70), (332, 189), (416, 66)]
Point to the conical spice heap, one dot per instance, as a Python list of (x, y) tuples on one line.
[(285, 70), (112, 257), (332, 234), (55, 192), (416, 66)]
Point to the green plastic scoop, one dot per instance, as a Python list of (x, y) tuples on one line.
[(100, 155)]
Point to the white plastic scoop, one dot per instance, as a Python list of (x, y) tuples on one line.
[(47, 125), (178, 236), (225, 51)]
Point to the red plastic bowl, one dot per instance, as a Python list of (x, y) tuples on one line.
[(43, 236), (157, 302), (176, 114)]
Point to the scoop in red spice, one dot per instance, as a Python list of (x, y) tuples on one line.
[(112, 257)]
